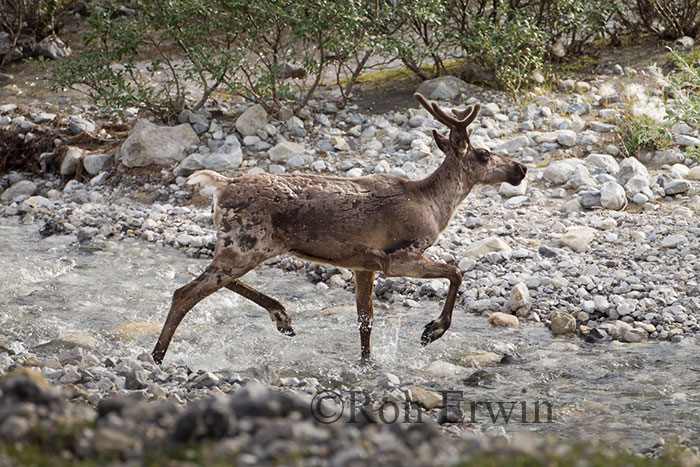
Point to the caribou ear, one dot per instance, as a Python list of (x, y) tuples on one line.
[(442, 141)]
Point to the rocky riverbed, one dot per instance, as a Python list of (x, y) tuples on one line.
[(595, 247)]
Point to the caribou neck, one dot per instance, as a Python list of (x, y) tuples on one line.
[(446, 188)]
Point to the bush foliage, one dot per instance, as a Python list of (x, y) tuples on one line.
[(276, 52)]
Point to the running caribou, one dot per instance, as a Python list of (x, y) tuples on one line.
[(367, 224)]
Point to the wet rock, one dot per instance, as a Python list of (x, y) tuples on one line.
[(441, 368), (427, 399), (149, 144), (563, 323), (503, 319), (479, 378), (50, 228), (388, 380), (252, 120), (71, 340)]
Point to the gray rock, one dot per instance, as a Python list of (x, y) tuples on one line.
[(683, 43), (559, 172), (136, 380), (630, 167), (605, 162), (52, 47), (23, 188), (676, 187), (297, 160), (673, 241), (520, 297), (252, 120), (446, 88), (636, 184), (566, 138), (79, 125), (7, 108), (96, 163), (206, 380), (687, 141), (563, 323), (44, 117), (388, 380), (284, 150), (669, 156), (612, 196), (490, 109), (149, 144), (509, 191), (71, 161), (601, 127), (514, 145)]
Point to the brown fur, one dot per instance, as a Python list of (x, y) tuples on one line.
[(366, 224)]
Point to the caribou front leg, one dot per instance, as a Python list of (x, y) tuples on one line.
[(407, 265)]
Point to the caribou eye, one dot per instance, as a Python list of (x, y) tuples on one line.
[(482, 155)]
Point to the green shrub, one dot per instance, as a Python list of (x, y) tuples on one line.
[(511, 49), (642, 132), (240, 47), (683, 83)]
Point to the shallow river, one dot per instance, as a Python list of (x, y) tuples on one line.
[(52, 287)]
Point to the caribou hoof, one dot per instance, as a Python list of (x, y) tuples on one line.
[(286, 330), (432, 332)]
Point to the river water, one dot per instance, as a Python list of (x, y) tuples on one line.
[(52, 287)]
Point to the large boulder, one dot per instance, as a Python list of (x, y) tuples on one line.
[(446, 88), (250, 121), (612, 196), (629, 168), (284, 150), (150, 144), (559, 172), (24, 188)]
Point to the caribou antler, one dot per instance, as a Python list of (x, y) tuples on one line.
[(463, 119)]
